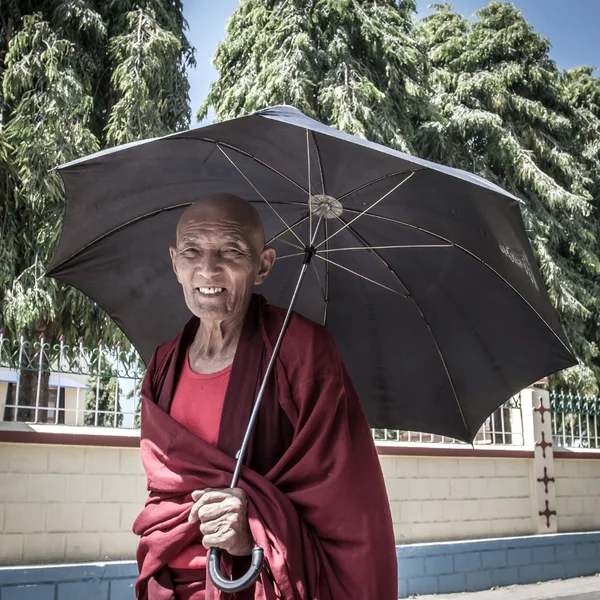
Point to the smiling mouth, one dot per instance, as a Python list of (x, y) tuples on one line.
[(210, 291)]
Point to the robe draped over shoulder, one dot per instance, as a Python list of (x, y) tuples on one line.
[(317, 502)]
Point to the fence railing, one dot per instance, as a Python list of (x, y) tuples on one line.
[(575, 420), (504, 426), (43, 382)]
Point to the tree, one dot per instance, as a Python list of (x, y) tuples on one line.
[(101, 401), (582, 90), (502, 113), (76, 76), (349, 63)]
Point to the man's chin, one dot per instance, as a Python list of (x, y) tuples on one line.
[(210, 308)]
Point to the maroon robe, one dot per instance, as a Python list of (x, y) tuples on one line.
[(317, 503)]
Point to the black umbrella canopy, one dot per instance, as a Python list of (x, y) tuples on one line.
[(423, 274)]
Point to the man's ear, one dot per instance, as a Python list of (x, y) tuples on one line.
[(267, 260), (173, 253)]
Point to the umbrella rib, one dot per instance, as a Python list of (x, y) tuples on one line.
[(326, 228), (309, 186), (385, 287), (290, 255), (256, 190), (367, 209), (319, 280), (310, 224), (437, 346), (382, 178), (153, 214), (244, 153), (319, 162), (115, 230), (290, 243), (390, 247), (298, 222), (472, 255)]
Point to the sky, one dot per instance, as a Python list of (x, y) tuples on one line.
[(571, 26)]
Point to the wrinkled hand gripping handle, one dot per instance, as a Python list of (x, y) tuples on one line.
[(237, 585)]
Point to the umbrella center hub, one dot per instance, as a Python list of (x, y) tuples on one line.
[(325, 206)]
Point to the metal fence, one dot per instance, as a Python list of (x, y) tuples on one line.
[(42, 382), (574, 420), (504, 426)]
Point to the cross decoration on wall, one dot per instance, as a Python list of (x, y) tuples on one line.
[(547, 513), (544, 444), (541, 408), (546, 480)]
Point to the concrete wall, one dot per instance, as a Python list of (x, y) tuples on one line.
[(3, 392), (437, 498), (578, 494), (78, 502), (72, 503)]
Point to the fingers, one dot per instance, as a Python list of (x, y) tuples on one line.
[(222, 540), (222, 525), (212, 504), (216, 495), (210, 512)]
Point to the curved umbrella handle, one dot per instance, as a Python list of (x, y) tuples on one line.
[(237, 585)]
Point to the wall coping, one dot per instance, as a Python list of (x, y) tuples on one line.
[(451, 450), (65, 435)]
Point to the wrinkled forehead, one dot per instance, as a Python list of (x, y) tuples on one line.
[(215, 222)]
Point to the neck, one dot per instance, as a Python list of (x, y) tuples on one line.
[(217, 339)]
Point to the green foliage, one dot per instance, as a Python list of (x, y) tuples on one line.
[(351, 63), (479, 95), (77, 75), (101, 396), (502, 111)]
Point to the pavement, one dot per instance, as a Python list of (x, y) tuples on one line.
[(583, 588)]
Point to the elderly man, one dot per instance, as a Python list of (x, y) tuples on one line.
[(311, 495)]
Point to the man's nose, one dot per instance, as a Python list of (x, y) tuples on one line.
[(209, 265)]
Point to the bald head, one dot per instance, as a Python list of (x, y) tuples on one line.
[(229, 208)]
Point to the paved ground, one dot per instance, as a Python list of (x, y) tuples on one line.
[(585, 588)]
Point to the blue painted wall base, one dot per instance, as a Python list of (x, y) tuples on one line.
[(472, 566), (435, 568), (99, 581)]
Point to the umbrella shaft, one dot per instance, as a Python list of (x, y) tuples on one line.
[(242, 451)]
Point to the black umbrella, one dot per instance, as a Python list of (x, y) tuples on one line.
[(423, 274)]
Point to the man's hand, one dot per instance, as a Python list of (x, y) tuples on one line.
[(223, 517)]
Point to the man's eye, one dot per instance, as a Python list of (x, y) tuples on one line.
[(231, 251)]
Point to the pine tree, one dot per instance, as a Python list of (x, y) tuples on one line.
[(501, 112), (352, 64), (76, 77), (582, 90)]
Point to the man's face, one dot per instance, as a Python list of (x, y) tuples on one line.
[(218, 260)]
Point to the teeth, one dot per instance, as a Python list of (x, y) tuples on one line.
[(210, 290)]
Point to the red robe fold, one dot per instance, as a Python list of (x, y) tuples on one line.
[(317, 503)]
